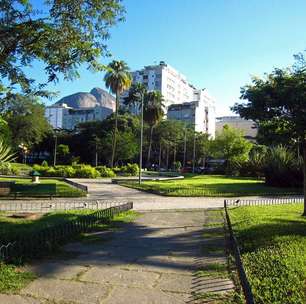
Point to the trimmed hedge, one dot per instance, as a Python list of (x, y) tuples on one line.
[(86, 171)]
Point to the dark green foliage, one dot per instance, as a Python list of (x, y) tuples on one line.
[(61, 34), (26, 120), (282, 168), (105, 172)]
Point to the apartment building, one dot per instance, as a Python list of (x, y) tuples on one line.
[(200, 113), (248, 127), (178, 95)]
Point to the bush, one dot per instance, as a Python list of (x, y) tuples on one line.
[(282, 168), (41, 169), (5, 169), (132, 169), (128, 170), (86, 171), (44, 163), (105, 172)]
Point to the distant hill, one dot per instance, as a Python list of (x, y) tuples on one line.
[(96, 97)]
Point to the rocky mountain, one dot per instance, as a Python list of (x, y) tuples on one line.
[(96, 97)]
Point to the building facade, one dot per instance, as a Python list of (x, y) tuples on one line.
[(80, 107), (199, 114), (248, 127), (73, 117), (179, 96), (164, 78)]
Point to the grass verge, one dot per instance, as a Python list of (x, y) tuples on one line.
[(62, 188), (210, 186), (273, 246)]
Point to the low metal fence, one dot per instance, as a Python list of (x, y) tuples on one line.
[(47, 206), (265, 201), (34, 244), (247, 291)]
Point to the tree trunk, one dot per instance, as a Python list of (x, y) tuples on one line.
[(160, 154), (304, 171), (150, 146), (115, 131), (167, 157)]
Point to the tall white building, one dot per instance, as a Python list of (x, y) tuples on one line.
[(176, 91), (199, 113), (164, 78)]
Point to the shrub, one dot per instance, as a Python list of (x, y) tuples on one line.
[(282, 168), (128, 170), (44, 163), (41, 169), (86, 171), (105, 172), (5, 168), (131, 169)]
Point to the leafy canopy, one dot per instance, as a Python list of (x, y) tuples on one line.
[(279, 96), (60, 34), (230, 145)]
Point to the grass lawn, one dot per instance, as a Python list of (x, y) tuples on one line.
[(210, 185), (15, 277), (273, 245), (62, 188)]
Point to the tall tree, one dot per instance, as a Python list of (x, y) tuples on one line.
[(60, 34), (117, 79), (26, 120), (153, 114), (136, 92), (280, 95), (230, 145)]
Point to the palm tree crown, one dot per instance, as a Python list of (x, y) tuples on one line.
[(118, 77)]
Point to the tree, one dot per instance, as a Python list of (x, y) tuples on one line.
[(136, 92), (117, 79), (231, 146), (60, 34), (280, 95), (152, 114), (26, 120), (168, 136)]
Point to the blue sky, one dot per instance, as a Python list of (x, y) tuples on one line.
[(217, 44)]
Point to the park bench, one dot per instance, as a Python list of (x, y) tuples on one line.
[(33, 190)]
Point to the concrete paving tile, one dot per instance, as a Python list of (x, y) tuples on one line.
[(16, 299), (120, 295), (117, 276), (58, 270), (175, 283), (69, 291)]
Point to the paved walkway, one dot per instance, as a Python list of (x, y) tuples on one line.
[(103, 189), (154, 260)]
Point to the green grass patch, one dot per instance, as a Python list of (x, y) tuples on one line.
[(211, 186), (62, 188), (273, 246), (13, 278)]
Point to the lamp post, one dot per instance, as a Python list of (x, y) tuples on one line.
[(193, 154), (141, 139), (55, 148)]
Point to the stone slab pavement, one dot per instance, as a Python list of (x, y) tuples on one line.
[(153, 260)]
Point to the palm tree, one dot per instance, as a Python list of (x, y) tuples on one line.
[(117, 79), (133, 99), (153, 114)]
